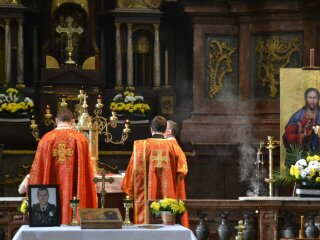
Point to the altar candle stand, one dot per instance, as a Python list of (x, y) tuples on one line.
[(312, 57), (74, 203), (301, 231), (127, 203)]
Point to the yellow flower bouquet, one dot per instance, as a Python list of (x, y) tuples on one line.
[(168, 204), (301, 166), (12, 101), (129, 103), (24, 206)]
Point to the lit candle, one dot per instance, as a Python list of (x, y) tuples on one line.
[(127, 123), (302, 227), (166, 72), (48, 108), (311, 57)]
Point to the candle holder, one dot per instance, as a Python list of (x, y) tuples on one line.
[(127, 203), (74, 203)]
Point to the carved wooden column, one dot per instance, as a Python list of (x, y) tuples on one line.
[(20, 53), (35, 59), (156, 58), (268, 222), (118, 58), (129, 57), (7, 51)]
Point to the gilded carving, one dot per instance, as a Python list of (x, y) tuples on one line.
[(274, 54), (82, 3), (150, 4), (220, 63)]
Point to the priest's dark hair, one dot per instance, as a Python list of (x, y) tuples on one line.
[(173, 126), (64, 115), (159, 124)]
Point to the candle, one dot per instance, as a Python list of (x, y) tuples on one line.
[(301, 226), (311, 57), (166, 72)]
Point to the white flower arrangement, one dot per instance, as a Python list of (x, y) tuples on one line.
[(129, 103), (12, 100)]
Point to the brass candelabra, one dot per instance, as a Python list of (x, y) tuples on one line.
[(127, 203), (91, 126), (74, 203), (270, 144)]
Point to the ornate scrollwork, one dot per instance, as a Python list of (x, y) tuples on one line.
[(219, 64), (274, 54), (151, 4)]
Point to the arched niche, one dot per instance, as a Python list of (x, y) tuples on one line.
[(143, 51)]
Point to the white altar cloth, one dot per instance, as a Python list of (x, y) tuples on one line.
[(134, 232), (115, 187)]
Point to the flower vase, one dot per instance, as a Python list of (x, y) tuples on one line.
[(249, 232), (202, 231), (312, 230), (290, 228), (308, 190), (224, 229), (168, 218)]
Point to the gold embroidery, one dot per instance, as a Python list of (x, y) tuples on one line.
[(158, 157), (62, 152)]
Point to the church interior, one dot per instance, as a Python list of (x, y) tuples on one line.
[(212, 66)]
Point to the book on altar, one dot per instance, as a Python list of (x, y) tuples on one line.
[(100, 218)]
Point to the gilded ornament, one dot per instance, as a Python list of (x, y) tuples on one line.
[(83, 3), (274, 54), (149, 4), (219, 64)]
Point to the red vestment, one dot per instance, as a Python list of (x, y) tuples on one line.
[(63, 158), (152, 174)]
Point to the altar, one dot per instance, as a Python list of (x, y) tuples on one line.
[(134, 232)]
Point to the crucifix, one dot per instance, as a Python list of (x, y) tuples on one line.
[(69, 30), (103, 181)]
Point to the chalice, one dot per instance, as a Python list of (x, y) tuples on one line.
[(74, 203), (127, 203)]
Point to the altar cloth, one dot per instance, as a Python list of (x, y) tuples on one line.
[(134, 232)]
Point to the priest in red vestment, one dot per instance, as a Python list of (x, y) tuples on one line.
[(63, 158), (153, 171), (171, 132)]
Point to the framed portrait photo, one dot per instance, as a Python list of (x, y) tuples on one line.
[(44, 207)]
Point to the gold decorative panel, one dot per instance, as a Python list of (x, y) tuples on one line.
[(149, 4), (82, 3)]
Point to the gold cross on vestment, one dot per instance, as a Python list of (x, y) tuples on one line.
[(62, 152), (158, 158), (103, 181)]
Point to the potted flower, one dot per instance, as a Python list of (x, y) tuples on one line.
[(13, 102), (130, 104), (168, 208), (302, 168), (24, 206)]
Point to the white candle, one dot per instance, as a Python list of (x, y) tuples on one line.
[(166, 73), (311, 57)]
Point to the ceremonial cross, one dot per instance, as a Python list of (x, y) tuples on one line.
[(103, 181), (62, 152), (159, 158), (69, 30)]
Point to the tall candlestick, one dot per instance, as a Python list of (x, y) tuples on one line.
[(166, 72), (301, 232), (311, 57)]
